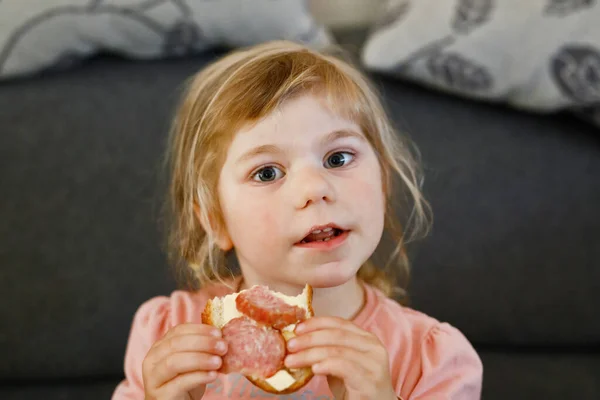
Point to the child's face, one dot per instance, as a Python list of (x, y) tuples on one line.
[(289, 173)]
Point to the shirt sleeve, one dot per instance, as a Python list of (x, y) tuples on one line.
[(150, 323), (450, 367)]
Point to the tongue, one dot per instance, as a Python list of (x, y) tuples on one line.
[(319, 236)]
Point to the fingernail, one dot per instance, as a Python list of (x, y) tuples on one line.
[(221, 346), (289, 361), (299, 328), (212, 374), (292, 344), (215, 360), (215, 332)]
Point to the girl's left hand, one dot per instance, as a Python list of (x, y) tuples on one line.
[(355, 361)]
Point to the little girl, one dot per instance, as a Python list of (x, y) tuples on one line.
[(284, 156)]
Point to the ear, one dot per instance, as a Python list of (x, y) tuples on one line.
[(223, 240)]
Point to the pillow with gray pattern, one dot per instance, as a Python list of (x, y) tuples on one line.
[(37, 35), (541, 55)]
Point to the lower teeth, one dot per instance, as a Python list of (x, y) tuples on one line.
[(321, 240)]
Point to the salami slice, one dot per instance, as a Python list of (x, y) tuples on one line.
[(262, 306), (253, 350)]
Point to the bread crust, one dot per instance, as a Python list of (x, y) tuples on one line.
[(301, 375), (207, 317)]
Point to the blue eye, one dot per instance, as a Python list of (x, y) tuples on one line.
[(267, 174), (339, 159)]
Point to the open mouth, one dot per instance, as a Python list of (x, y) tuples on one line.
[(322, 235)]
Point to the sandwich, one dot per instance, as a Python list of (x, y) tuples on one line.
[(256, 323)]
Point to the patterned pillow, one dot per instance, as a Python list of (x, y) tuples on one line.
[(36, 35), (540, 55)]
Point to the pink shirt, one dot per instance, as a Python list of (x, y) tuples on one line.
[(428, 359)]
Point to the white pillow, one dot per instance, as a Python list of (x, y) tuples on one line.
[(536, 54), (36, 35)]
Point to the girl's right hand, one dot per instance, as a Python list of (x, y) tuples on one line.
[(178, 366)]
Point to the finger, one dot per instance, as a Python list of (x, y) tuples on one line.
[(180, 363), (188, 343), (330, 337), (317, 323), (187, 382), (193, 329), (353, 375), (315, 355)]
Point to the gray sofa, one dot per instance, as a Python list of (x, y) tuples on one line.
[(513, 259)]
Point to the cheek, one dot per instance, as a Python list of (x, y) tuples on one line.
[(367, 189), (263, 222), (251, 221), (369, 200)]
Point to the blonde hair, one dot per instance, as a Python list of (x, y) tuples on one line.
[(245, 86)]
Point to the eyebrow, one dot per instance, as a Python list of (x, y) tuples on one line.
[(341, 134), (272, 149)]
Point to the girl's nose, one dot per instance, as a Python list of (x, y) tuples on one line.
[(312, 186)]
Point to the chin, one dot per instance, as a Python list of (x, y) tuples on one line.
[(330, 275)]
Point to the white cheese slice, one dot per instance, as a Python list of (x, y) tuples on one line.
[(301, 300), (281, 380), (229, 310)]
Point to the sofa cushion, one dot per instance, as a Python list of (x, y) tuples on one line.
[(547, 374), (513, 254), (80, 247), (59, 33), (88, 389), (541, 55), (507, 375)]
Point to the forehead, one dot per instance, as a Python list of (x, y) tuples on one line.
[(296, 122)]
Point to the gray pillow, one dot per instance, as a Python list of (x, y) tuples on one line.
[(541, 55), (36, 35)]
